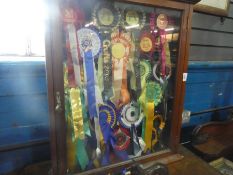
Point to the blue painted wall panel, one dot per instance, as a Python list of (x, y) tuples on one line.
[(14, 160), (23, 113), (24, 134), (209, 85)]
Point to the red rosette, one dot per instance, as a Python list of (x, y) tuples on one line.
[(73, 15), (147, 42), (122, 137)]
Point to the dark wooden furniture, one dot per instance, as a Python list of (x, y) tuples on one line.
[(185, 163), (213, 140), (54, 65), (190, 165)]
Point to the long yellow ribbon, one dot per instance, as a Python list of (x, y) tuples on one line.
[(76, 107), (149, 112)]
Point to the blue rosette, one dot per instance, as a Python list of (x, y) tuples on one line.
[(107, 119)]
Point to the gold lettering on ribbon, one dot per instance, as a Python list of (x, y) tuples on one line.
[(106, 56)]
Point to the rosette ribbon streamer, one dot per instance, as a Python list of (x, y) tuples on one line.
[(76, 107), (73, 107), (90, 44), (121, 47), (130, 118), (106, 17), (165, 60), (107, 92), (150, 98), (72, 18)]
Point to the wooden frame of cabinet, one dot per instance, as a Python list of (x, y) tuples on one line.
[(54, 59)]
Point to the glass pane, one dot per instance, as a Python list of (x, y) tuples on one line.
[(119, 74)]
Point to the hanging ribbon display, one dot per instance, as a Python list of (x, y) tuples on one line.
[(115, 89), (121, 46), (90, 45)]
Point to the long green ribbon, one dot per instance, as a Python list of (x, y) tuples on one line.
[(86, 127)]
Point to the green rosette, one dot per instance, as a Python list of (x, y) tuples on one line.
[(134, 18), (152, 93), (145, 72), (86, 126)]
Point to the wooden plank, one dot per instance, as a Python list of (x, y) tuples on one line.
[(206, 21), (211, 38), (230, 14), (201, 53), (159, 3), (190, 165)]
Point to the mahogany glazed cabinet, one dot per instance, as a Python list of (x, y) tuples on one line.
[(116, 82)]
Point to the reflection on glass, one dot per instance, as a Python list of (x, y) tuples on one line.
[(119, 81)]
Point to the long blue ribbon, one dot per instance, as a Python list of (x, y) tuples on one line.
[(90, 77)]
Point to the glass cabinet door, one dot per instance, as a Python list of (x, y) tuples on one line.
[(119, 79)]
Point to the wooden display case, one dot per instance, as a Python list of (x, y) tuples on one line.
[(148, 42)]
